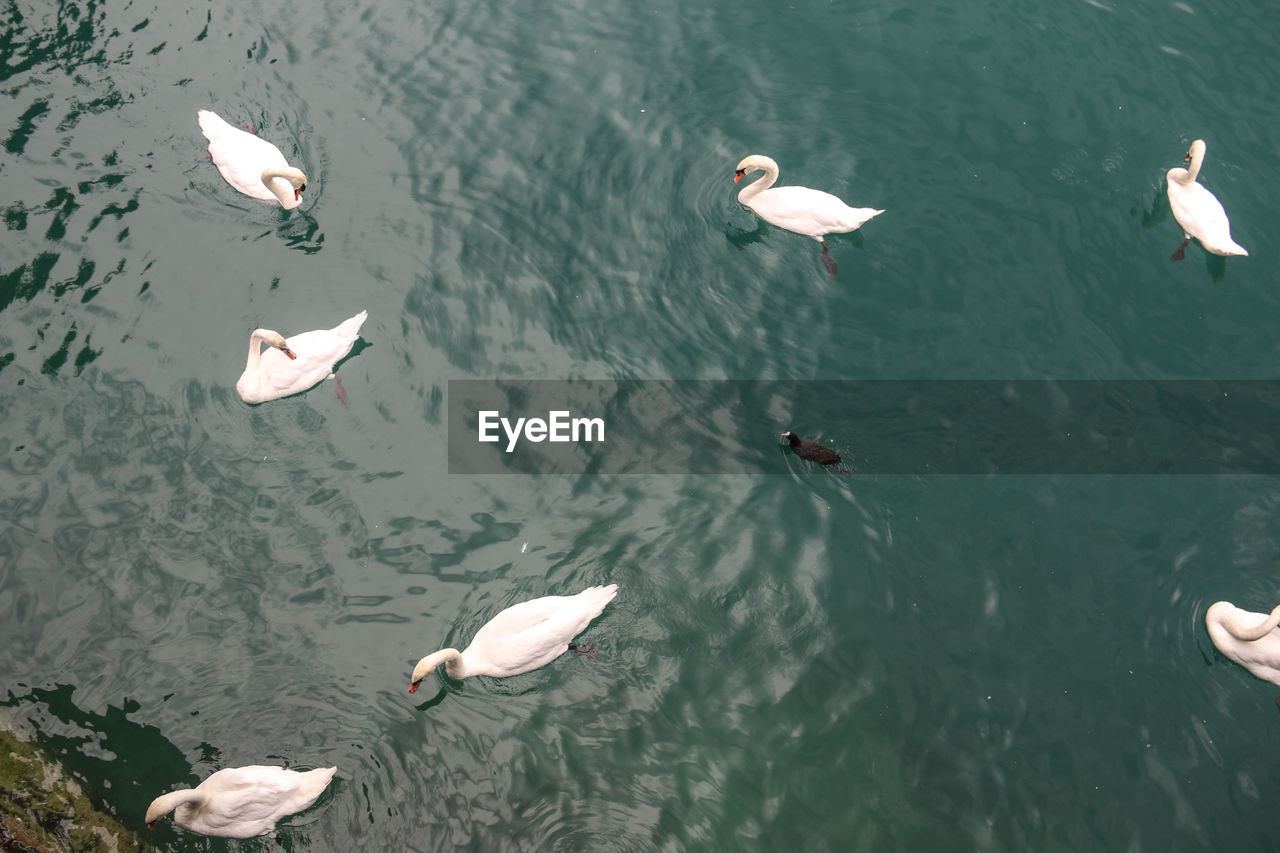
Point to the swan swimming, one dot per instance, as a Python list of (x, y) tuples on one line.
[(523, 637), (1249, 639), (1197, 210), (252, 165), (806, 211), (292, 365), (241, 802)]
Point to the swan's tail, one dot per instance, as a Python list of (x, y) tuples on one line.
[(212, 125), (598, 597), (313, 784), (856, 217), (1234, 248), (350, 329)]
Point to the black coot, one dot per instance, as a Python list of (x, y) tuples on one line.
[(811, 450)]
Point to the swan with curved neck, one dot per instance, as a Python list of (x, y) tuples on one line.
[(241, 802), (1250, 639), (292, 365), (1197, 210), (521, 638), (253, 166), (802, 210)]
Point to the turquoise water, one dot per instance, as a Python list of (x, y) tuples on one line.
[(544, 191)]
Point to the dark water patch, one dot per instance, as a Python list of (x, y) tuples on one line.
[(19, 136), (114, 757)]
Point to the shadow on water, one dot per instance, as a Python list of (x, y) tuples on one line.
[(434, 700), (302, 233), (358, 347), (741, 237), (1157, 212), (1216, 266)]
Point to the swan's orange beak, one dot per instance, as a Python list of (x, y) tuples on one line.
[(413, 688), (738, 176), (1187, 159), (292, 355), (152, 825)]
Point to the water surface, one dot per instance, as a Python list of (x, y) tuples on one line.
[(543, 191)]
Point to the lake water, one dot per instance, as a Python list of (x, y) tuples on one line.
[(796, 661)]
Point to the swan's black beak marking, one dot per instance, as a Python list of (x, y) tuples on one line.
[(297, 194), (738, 176), (1187, 159), (152, 825)]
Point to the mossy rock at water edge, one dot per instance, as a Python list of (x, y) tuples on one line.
[(42, 810)]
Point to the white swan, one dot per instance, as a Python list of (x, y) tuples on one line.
[(1197, 210), (241, 802), (523, 637), (1249, 639), (253, 166), (292, 365), (806, 211)]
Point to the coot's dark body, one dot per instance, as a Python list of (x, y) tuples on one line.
[(811, 450)]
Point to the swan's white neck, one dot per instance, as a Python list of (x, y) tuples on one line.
[(1189, 174), (286, 194), (256, 340), (453, 661), (166, 803), (1236, 626), (756, 187)]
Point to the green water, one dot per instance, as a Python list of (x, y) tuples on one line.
[(544, 191)]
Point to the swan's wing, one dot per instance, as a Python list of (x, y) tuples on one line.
[(228, 143), (283, 376), (317, 352), (322, 345), (803, 210), (279, 376), (259, 780), (243, 801), (521, 617), (1199, 212), (533, 633), (527, 635)]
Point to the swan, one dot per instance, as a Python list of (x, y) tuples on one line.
[(806, 211), (241, 802), (292, 365), (1249, 639), (523, 637), (1197, 210), (253, 166)]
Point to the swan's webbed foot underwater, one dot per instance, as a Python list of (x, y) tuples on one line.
[(1180, 253), (342, 394), (828, 261), (587, 650)]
